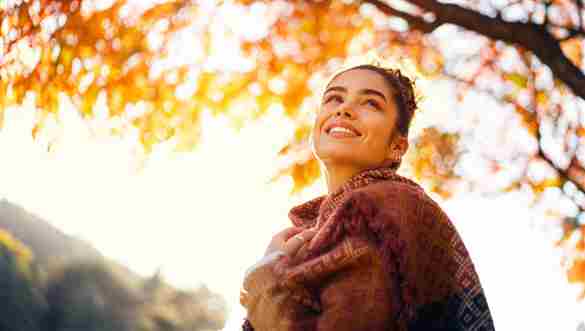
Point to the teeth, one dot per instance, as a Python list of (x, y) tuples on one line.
[(340, 129)]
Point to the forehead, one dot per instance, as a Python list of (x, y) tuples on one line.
[(357, 79)]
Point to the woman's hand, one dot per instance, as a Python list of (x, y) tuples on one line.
[(289, 240)]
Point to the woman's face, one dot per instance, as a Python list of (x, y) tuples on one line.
[(355, 121)]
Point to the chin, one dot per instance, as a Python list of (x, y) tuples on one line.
[(337, 155)]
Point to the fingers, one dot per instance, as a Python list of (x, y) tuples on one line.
[(289, 232), (292, 245), (279, 239), (243, 298)]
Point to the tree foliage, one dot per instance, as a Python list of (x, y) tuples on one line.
[(23, 306), (102, 296), (158, 66)]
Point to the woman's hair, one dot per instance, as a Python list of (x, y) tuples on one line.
[(403, 91)]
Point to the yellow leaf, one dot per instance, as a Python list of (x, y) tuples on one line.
[(528, 119), (305, 174), (543, 185), (303, 132), (518, 79), (89, 99), (541, 98)]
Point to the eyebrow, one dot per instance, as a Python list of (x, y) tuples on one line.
[(362, 91)]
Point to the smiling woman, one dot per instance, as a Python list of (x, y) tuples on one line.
[(376, 252), (366, 101)]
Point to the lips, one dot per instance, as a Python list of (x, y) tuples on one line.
[(341, 124)]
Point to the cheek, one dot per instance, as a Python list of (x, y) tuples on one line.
[(318, 122), (380, 133), (327, 108), (315, 135)]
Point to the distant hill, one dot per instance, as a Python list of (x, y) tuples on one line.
[(46, 241), (83, 290)]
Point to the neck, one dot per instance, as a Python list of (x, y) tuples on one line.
[(339, 174)]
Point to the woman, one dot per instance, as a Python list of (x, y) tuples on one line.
[(376, 252)]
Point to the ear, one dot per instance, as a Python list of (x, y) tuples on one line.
[(398, 147)]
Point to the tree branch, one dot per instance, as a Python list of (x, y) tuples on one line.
[(575, 173), (530, 36), (415, 22)]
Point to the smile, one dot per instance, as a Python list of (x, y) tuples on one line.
[(341, 129), (339, 132)]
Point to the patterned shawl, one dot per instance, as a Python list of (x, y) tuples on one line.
[(437, 285)]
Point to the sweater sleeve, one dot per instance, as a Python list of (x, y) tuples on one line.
[(258, 288), (264, 260), (270, 306)]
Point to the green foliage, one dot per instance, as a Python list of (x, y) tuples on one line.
[(22, 306), (88, 296)]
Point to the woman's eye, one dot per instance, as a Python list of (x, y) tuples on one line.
[(334, 98), (373, 103)]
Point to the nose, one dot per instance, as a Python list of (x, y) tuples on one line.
[(344, 111)]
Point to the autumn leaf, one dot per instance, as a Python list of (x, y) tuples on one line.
[(305, 174), (573, 49), (432, 159), (542, 98), (577, 271), (547, 183), (528, 119), (519, 80)]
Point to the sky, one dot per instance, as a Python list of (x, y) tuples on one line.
[(204, 217)]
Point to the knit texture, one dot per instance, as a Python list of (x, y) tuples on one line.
[(431, 281)]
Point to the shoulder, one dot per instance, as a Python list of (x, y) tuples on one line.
[(396, 200), (390, 191)]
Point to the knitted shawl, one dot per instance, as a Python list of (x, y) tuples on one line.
[(437, 287)]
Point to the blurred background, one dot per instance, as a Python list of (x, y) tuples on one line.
[(150, 149)]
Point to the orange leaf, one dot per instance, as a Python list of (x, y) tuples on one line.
[(305, 174), (541, 98), (576, 272), (528, 119), (573, 49)]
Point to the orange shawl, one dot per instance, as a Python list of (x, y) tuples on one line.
[(382, 237)]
